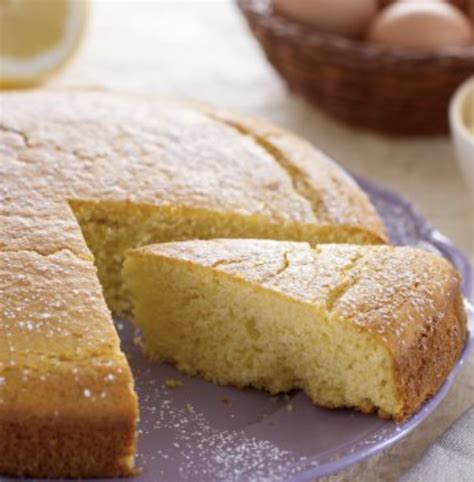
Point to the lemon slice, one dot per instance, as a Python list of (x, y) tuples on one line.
[(37, 37)]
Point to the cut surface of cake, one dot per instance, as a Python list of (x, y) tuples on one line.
[(85, 176), (370, 327)]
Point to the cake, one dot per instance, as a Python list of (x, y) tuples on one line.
[(86, 175), (377, 328)]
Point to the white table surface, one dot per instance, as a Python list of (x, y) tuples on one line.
[(203, 50)]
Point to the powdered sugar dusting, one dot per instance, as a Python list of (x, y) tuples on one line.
[(223, 454)]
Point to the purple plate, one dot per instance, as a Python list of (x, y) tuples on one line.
[(203, 432)]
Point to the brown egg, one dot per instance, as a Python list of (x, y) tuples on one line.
[(462, 4), (349, 18), (421, 25)]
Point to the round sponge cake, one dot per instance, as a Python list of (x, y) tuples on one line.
[(84, 176)]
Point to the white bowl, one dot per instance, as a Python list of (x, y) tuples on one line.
[(461, 119)]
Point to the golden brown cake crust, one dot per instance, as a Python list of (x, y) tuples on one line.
[(48, 426), (69, 451), (408, 299), (60, 150)]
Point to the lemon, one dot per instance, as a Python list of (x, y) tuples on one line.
[(37, 37)]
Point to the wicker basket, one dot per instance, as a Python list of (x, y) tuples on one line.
[(391, 90)]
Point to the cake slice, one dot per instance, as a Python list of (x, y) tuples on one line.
[(377, 328)]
